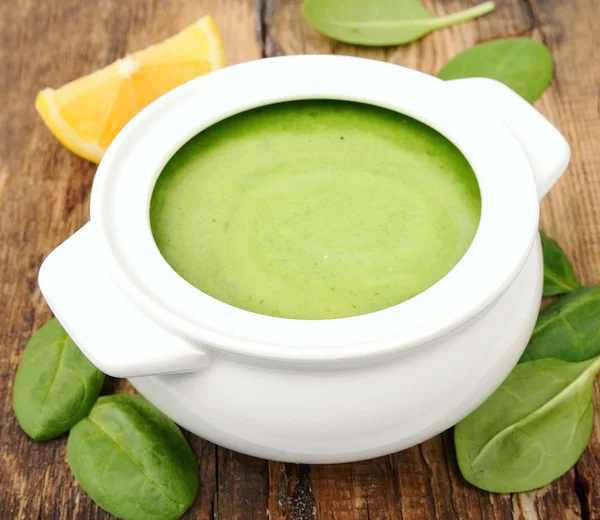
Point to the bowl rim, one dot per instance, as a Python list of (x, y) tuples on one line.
[(126, 176)]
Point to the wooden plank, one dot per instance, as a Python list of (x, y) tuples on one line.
[(242, 487), (44, 194), (367, 489)]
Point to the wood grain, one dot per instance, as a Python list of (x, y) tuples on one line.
[(44, 195)]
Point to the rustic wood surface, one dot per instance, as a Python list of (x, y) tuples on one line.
[(44, 194)]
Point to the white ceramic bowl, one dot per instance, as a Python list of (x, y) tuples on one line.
[(302, 390)]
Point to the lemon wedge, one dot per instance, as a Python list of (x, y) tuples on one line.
[(87, 113)]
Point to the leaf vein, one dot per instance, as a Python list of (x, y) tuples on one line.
[(160, 487), (578, 381)]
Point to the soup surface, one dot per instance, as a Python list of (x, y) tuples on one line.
[(315, 209)]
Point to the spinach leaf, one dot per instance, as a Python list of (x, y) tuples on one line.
[(532, 429), (522, 64), (132, 460), (381, 22), (568, 329), (55, 385), (559, 277)]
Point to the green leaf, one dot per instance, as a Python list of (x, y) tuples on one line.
[(132, 460), (568, 329), (559, 277), (55, 385), (522, 64), (531, 430), (381, 22)]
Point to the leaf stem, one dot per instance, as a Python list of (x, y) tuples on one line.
[(463, 16)]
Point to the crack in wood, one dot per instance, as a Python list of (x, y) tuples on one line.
[(214, 505), (294, 492), (259, 24), (429, 490), (530, 13), (269, 47), (552, 39), (449, 458), (395, 485), (581, 487), (303, 498), (263, 9)]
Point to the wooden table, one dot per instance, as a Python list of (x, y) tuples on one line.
[(44, 195)]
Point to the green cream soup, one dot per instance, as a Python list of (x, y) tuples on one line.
[(315, 209)]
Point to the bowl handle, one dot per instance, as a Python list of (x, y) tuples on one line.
[(113, 334), (545, 147)]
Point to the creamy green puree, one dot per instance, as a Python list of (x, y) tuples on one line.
[(315, 209)]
